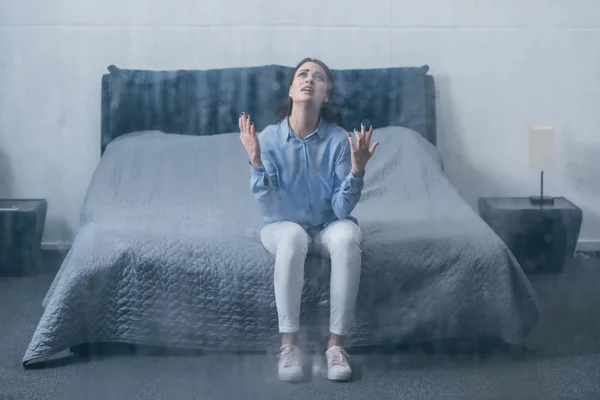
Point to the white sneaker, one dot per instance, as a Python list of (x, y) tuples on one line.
[(338, 368), (289, 366)]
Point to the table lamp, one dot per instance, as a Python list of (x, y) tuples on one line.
[(541, 157)]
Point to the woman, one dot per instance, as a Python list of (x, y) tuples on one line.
[(307, 175)]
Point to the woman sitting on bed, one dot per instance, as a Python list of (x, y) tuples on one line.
[(307, 174)]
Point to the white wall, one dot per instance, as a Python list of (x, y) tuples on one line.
[(500, 66)]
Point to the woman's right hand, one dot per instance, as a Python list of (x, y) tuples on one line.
[(250, 140)]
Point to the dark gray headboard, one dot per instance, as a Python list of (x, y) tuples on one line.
[(208, 102)]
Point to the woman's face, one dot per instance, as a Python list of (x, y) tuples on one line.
[(309, 84)]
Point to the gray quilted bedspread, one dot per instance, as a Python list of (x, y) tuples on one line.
[(168, 253)]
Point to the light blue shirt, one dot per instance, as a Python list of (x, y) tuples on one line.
[(308, 181)]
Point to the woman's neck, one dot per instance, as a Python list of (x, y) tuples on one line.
[(304, 119)]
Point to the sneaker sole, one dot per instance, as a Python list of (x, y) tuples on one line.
[(291, 377), (339, 377)]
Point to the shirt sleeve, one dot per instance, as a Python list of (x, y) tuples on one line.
[(347, 187), (264, 186)]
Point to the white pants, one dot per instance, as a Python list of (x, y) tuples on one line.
[(290, 243)]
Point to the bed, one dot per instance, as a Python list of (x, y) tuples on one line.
[(168, 251)]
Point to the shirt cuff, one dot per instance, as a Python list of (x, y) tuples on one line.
[(257, 171), (352, 184), (260, 173)]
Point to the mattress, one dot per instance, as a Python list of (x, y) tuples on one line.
[(168, 253)]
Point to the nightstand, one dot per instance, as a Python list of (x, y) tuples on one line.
[(541, 237), (21, 227)]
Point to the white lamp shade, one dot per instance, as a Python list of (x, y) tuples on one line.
[(541, 148)]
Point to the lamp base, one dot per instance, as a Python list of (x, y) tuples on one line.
[(541, 200)]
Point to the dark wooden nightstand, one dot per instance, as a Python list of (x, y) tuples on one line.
[(21, 227), (541, 237)]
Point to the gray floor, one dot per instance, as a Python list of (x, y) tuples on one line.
[(562, 362)]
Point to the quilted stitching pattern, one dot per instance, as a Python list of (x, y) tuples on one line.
[(168, 253)]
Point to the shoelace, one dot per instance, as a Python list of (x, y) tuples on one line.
[(339, 356), (288, 356)]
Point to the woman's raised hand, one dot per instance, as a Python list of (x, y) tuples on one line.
[(362, 150), (250, 140)]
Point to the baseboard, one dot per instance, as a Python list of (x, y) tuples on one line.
[(56, 246), (588, 246)]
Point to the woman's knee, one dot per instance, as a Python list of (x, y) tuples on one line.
[(293, 238), (286, 237), (345, 234)]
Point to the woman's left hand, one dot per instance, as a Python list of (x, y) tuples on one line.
[(361, 152)]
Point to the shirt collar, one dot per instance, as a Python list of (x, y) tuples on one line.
[(288, 133)]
